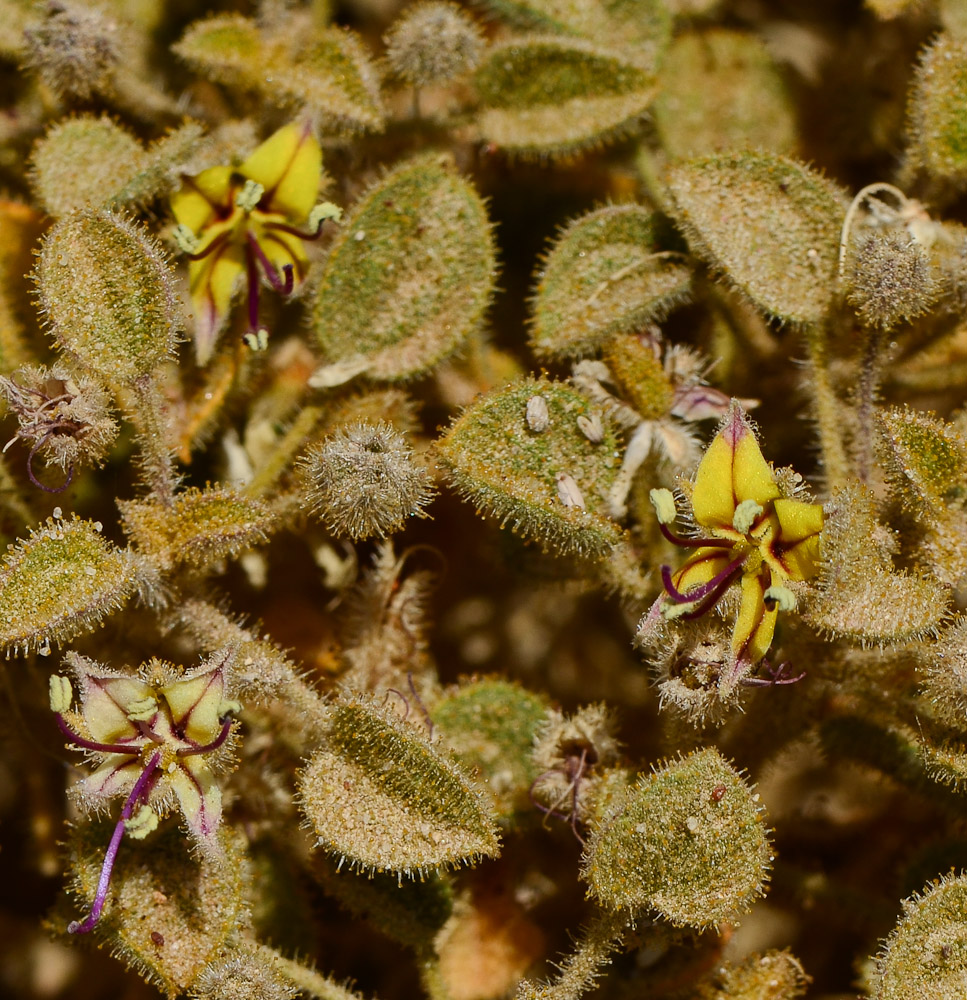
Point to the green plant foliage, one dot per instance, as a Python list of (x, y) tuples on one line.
[(688, 841), (550, 484), (750, 109), (604, 274), (326, 72), (769, 224), (425, 813), (60, 582), (549, 95), (927, 952), (410, 274)]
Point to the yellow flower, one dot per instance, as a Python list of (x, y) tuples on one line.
[(754, 537), (154, 737), (244, 221)]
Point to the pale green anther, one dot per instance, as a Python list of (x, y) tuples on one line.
[(250, 195), (783, 597), (143, 822), (226, 708), (143, 710), (325, 211), (745, 515), (664, 503), (187, 241), (672, 611), (61, 694), (258, 341)]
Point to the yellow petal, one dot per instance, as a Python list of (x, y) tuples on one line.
[(196, 201), (106, 701), (194, 702), (700, 568), (212, 281), (116, 776), (755, 625), (284, 248), (200, 800), (731, 471), (797, 542), (289, 166)]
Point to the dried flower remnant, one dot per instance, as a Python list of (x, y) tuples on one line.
[(245, 220), (155, 737), (363, 481), (758, 538), (62, 416)]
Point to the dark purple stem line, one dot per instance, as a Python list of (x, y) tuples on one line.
[(104, 881), (252, 275), (215, 743), (693, 543), (697, 593), (90, 744), (280, 284)]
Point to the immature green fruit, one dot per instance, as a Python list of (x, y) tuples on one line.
[(747, 107), (168, 914), (550, 95), (640, 375), (60, 582), (770, 224), (383, 798), (433, 42), (688, 841), (326, 70), (926, 955), (199, 528), (938, 131), (604, 274), (409, 275), (550, 484), (244, 973), (108, 295), (490, 725)]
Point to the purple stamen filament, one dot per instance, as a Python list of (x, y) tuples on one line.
[(693, 543), (138, 796), (307, 236), (282, 285), (703, 590), (215, 743), (91, 744)]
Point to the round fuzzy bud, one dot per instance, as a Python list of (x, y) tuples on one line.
[(74, 49), (62, 416), (108, 294), (687, 841), (890, 279), (363, 481), (432, 43), (926, 955)]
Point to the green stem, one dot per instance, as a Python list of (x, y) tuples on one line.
[(307, 979), (148, 416), (829, 418), (578, 972), (869, 377), (284, 452)]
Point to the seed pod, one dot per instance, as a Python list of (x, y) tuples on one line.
[(382, 798), (936, 121), (409, 275), (167, 914), (550, 95), (201, 527), (433, 42), (245, 973), (774, 975), (890, 279), (108, 295), (603, 275), (60, 582), (640, 375), (926, 955), (552, 487), (363, 481), (770, 224), (678, 845), (490, 725)]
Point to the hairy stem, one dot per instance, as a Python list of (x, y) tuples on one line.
[(310, 982), (828, 411), (157, 460)]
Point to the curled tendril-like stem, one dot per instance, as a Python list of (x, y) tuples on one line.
[(575, 769), (776, 677), (39, 443)]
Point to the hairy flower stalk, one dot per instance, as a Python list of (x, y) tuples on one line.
[(754, 537), (247, 221), (151, 735)]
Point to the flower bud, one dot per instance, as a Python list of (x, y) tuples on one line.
[(432, 43)]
